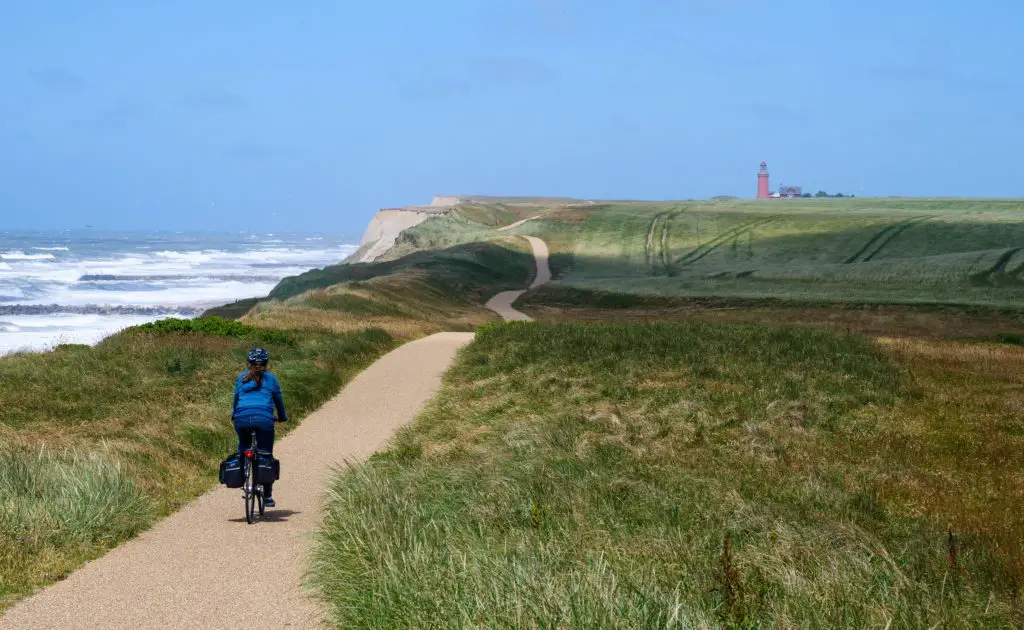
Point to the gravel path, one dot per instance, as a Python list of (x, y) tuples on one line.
[(518, 223), (204, 567), (502, 303)]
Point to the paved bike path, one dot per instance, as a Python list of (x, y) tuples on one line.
[(204, 566), (502, 303)]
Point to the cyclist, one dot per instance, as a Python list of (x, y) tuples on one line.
[(257, 394)]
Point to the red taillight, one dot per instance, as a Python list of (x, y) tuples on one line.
[(248, 454)]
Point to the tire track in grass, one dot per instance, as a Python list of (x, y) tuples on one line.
[(712, 243), (1016, 270), (666, 226), (665, 245), (703, 250), (874, 239), (895, 234), (706, 248), (998, 270), (650, 240), (885, 235)]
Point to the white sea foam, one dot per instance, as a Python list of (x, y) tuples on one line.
[(43, 332), (126, 276), (20, 255)]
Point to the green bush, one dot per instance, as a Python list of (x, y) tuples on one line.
[(1012, 338), (212, 325)]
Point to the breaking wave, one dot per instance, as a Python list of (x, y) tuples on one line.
[(19, 255), (67, 290)]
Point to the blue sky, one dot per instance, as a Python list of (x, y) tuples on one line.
[(311, 115)]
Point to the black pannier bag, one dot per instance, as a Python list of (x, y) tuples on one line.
[(268, 469), (232, 474)]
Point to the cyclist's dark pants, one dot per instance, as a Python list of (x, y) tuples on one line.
[(264, 440)]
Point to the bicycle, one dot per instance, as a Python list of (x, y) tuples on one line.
[(252, 492)]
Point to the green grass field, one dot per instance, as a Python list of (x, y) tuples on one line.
[(872, 251), (679, 476), (914, 251)]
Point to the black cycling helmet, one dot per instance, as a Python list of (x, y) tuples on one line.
[(258, 356)]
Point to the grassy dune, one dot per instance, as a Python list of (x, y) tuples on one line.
[(467, 223), (696, 475), (97, 442), (902, 251), (420, 293)]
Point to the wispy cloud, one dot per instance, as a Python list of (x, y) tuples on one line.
[(256, 151), (735, 58), (212, 98), (779, 113), (936, 75), (119, 115), (512, 71), (59, 79), (436, 88), (555, 16), (705, 8), (565, 16), (483, 74)]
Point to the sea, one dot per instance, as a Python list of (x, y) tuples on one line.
[(81, 286)]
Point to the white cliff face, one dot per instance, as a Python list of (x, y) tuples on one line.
[(383, 231), (444, 201)]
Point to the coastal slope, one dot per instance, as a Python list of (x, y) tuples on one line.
[(187, 556)]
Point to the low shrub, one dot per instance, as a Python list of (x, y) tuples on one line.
[(212, 325), (1012, 338)]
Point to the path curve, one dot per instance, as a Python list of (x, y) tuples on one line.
[(518, 223), (502, 303), (189, 570), (198, 568)]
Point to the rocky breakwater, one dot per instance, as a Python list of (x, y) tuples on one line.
[(96, 309)]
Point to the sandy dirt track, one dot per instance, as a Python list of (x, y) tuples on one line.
[(502, 303), (518, 223), (194, 569)]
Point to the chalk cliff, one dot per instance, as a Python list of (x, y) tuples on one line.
[(383, 231)]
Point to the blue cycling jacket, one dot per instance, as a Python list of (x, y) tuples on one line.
[(258, 402)]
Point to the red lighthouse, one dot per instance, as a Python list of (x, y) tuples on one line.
[(762, 182)]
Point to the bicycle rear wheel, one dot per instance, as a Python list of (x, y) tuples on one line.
[(250, 493)]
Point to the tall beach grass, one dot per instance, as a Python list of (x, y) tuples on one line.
[(641, 476), (59, 508)]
